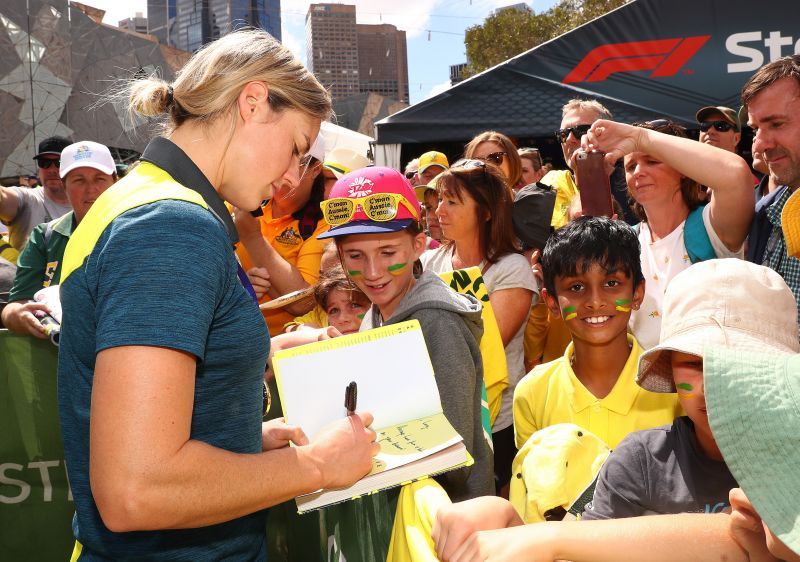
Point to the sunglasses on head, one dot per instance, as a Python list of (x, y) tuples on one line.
[(410, 175), (721, 126), (45, 163), (578, 131), (379, 207), (495, 158)]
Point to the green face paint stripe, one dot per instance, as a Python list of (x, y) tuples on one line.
[(684, 386), (354, 273), (622, 302), (570, 312), (361, 316), (396, 267)]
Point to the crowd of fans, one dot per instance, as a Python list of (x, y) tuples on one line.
[(628, 344)]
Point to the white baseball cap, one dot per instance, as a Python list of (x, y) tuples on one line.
[(86, 154)]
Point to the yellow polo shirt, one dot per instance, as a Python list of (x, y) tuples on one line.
[(283, 235), (551, 394)]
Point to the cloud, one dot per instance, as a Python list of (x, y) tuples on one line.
[(116, 10), (438, 89), (295, 44)]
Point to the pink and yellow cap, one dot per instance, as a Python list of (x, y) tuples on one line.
[(372, 181)]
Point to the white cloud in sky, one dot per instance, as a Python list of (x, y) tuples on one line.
[(438, 89), (117, 10), (297, 45)]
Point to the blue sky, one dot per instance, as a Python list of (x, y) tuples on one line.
[(434, 30)]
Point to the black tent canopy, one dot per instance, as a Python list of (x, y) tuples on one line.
[(646, 59)]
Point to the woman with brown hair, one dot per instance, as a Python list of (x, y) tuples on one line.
[(664, 170), (475, 215), (532, 166), (163, 348), (496, 148)]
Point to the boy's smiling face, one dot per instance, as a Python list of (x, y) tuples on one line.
[(595, 303)]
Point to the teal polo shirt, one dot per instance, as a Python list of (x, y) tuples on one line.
[(39, 264)]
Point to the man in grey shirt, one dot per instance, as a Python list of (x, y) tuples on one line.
[(22, 208)]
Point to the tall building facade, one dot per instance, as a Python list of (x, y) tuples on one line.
[(383, 61), (190, 24), (350, 58), (332, 47), (161, 20)]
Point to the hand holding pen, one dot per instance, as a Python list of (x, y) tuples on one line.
[(351, 398)]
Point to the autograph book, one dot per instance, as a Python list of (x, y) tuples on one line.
[(396, 385)]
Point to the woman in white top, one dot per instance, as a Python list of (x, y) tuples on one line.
[(474, 213), (665, 170)]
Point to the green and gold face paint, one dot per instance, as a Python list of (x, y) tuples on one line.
[(397, 269), (361, 316), (353, 273), (569, 312), (623, 305), (685, 389)]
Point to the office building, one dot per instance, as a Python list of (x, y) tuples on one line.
[(161, 20), (350, 58), (190, 24), (138, 23), (382, 61), (457, 73), (332, 47)]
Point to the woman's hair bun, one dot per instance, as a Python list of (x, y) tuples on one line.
[(150, 97)]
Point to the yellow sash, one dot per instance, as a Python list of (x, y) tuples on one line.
[(495, 370), (146, 183)]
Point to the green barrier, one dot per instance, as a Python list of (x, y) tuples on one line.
[(35, 502), (36, 506)]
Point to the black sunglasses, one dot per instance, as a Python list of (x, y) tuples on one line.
[(495, 158), (578, 130), (721, 126), (45, 163), (410, 175)]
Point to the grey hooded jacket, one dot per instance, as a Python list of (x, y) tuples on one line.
[(452, 326)]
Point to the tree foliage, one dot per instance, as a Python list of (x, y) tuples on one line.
[(511, 31)]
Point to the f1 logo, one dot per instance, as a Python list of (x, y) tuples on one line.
[(664, 57)]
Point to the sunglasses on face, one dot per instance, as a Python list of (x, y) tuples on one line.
[(721, 126), (379, 207), (410, 175), (45, 163), (495, 158), (578, 131)]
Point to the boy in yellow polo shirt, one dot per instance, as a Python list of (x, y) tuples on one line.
[(593, 279)]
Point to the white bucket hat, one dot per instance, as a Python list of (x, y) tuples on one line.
[(730, 303)]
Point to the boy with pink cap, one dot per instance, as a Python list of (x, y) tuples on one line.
[(375, 222)]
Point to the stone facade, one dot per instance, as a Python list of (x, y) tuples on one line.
[(57, 64)]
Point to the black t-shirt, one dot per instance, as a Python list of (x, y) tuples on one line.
[(657, 471)]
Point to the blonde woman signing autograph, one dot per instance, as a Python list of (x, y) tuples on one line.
[(163, 349)]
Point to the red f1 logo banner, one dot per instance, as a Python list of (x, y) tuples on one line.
[(664, 56)]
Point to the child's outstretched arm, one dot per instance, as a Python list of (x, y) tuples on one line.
[(455, 523), (657, 538)]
